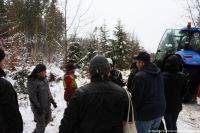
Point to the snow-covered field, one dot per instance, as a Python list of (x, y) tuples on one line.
[(188, 121)]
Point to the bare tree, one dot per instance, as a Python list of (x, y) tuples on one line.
[(75, 23), (193, 7)]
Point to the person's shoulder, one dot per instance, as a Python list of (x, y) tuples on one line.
[(33, 81), (116, 70), (140, 74), (181, 74), (68, 77), (83, 90), (5, 82)]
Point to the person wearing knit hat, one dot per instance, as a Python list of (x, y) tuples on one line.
[(40, 97), (39, 71), (10, 116), (99, 65), (97, 107), (69, 81)]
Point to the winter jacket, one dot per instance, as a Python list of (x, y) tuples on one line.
[(69, 82), (10, 117), (39, 94), (148, 93), (116, 77), (98, 107), (175, 84)]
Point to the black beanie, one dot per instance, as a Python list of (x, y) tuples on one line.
[(2, 54), (39, 68), (99, 63), (70, 66)]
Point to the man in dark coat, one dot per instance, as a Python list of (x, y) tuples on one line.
[(98, 107), (133, 71), (175, 84), (147, 94), (10, 117), (40, 97)]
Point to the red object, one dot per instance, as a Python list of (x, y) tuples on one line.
[(187, 56), (198, 95), (69, 90)]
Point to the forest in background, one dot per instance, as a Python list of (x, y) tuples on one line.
[(36, 31)]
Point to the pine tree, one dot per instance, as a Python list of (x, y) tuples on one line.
[(54, 29), (74, 52), (120, 46), (4, 22), (105, 46)]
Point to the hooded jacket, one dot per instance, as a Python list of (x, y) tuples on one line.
[(175, 84), (148, 93), (10, 117), (98, 107)]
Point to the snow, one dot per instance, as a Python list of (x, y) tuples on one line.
[(188, 120)]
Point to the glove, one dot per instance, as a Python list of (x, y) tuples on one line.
[(54, 104)]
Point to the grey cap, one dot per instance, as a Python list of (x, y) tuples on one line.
[(99, 65)]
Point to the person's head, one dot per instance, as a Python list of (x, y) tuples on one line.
[(2, 58), (99, 66), (141, 59), (171, 64), (110, 61), (70, 68), (39, 71)]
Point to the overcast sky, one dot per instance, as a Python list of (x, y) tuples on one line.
[(147, 19)]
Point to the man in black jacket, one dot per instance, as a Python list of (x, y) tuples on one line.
[(147, 95), (10, 117), (98, 107)]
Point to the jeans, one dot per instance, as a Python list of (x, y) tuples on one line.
[(150, 126), (170, 120)]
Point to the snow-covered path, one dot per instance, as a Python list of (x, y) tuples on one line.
[(188, 121)]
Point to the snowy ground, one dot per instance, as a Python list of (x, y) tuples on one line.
[(188, 121)]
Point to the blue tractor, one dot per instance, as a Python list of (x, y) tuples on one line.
[(185, 43)]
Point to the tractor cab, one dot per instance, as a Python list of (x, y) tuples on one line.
[(185, 43)]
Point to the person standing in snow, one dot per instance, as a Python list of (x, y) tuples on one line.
[(69, 82), (133, 71), (40, 97), (147, 94), (10, 116), (175, 85), (97, 107), (115, 75)]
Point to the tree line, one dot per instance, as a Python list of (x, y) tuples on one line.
[(32, 31)]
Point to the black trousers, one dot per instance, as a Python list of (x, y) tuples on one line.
[(170, 120)]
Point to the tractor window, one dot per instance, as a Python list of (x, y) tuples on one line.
[(195, 42), (168, 44), (170, 40)]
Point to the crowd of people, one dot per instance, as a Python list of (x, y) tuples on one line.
[(100, 106)]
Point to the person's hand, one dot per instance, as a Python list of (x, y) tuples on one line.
[(54, 105)]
